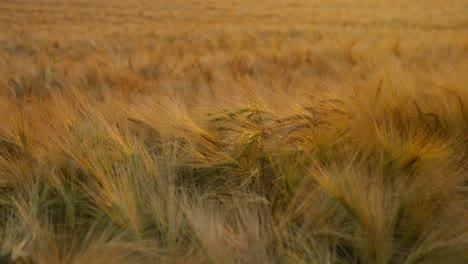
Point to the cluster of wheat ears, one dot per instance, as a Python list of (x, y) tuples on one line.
[(233, 132)]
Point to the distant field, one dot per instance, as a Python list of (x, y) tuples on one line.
[(234, 131)]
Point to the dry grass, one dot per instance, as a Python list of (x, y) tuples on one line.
[(233, 131)]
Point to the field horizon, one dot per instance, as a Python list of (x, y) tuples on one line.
[(193, 131)]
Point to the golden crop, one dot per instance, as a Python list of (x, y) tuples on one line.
[(190, 131)]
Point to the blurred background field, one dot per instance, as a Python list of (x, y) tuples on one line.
[(233, 131)]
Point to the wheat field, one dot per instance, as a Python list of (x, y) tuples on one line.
[(217, 131)]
